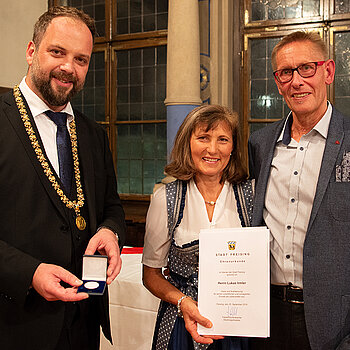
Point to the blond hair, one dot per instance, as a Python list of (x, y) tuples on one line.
[(312, 37)]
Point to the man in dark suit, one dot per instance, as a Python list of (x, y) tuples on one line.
[(58, 200), (302, 169)]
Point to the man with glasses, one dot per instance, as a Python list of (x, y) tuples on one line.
[(302, 168)]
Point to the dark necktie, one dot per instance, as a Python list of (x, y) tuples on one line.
[(64, 148)]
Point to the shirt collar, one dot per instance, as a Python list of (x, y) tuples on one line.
[(37, 105), (321, 127)]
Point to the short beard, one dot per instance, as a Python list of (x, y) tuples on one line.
[(51, 97)]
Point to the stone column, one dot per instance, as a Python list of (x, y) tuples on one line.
[(183, 64)]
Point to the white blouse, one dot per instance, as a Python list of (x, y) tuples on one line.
[(195, 218)]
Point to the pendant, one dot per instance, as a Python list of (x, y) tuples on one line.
[(80, 222)]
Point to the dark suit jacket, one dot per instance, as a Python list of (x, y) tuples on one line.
[(326, 267), (34, 227)]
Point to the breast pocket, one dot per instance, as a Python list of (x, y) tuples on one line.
[(339, 200)]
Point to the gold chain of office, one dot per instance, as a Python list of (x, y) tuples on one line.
[(76, 205)]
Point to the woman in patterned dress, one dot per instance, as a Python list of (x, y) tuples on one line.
[(208, 189)]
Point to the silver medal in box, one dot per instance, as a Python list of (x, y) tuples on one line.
[(94, 274)]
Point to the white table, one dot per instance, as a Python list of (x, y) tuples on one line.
[(133, 309)]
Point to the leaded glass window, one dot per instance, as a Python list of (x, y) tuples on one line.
[(341, 6), (135, 16), (91, 100), (125, 87), (342, 76), (263, 10), (95, 8), (141, 156), (141, 115), (141, 75), (265, 102)]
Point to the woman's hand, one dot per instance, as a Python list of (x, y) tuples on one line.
[(191, 317), (155, 282)]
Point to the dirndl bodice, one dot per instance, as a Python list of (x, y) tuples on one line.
[(183, 261)]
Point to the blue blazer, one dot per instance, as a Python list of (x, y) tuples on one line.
[(326, 264)]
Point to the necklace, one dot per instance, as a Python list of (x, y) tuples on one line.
[(76, 204), (210, 202)]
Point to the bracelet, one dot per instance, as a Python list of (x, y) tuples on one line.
[(179, 312)]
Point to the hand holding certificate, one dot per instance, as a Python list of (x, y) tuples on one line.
[(234, 281)]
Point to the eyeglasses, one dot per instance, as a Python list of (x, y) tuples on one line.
[(305, 70)]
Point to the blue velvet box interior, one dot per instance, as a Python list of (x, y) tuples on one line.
[(94, 274)]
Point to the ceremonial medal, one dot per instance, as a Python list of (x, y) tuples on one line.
[(80, 222), (71, 204)]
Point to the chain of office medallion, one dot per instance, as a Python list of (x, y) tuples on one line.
[(76, 205)]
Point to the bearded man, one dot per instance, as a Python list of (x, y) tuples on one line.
[(58, 196)]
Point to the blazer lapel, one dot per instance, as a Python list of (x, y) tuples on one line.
[(86, 167), (12, 113), (333, 145), (260, 190)]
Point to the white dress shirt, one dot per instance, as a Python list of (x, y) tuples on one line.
[(289, 198), (46, 127), (195, 218)]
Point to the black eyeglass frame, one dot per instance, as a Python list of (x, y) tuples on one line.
[(317, 64)]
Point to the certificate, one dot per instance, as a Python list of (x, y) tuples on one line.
[(234, 281)]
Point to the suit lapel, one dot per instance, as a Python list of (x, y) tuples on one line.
[(11, 112), (333, 145), (86, 166), (266, 156)]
